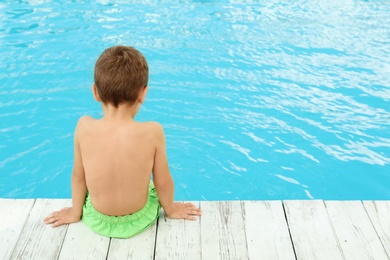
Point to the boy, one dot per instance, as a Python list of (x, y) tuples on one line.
[(114, 156)]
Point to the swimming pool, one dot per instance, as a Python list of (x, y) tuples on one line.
[(258, 101)]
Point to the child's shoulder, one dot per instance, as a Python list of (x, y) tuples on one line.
[(86, 119), (84, 122), (152, 126), (153, 130)]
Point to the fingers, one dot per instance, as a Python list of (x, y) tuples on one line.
[(189, 217), (193, 210), (57, 223), (51, 218), (62, 217), (186, 211), (54, 219), (48, 220)]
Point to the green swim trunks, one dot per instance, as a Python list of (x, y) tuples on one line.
[(122, 226)]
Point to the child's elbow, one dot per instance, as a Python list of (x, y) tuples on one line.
[(164, 185), (78, 177)]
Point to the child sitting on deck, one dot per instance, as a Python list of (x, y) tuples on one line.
[(114, 156)]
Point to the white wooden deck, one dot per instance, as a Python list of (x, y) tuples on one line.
[(227, 230)]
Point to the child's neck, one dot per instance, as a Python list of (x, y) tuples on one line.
[(122, 112)]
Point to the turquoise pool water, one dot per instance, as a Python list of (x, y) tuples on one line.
[(263, 100)]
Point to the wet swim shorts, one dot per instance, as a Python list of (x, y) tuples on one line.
[(122, 226)]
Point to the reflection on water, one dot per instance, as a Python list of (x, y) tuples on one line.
[(258, 101)]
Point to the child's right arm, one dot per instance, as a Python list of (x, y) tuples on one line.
[(79, 189), (164, 184)]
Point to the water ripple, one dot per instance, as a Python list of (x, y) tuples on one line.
[(259, 101)]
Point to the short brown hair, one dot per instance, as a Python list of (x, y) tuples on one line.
[(120, 74)]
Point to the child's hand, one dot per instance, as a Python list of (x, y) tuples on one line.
[(64, 216), (184, 211)]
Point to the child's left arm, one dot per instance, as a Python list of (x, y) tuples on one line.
[(79, 190)]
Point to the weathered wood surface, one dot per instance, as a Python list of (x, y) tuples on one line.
[(178, 239), (311, 230), (140, 246), (379, 213), (222, 231), (13, 215), (267, 231), (36, 240), (355, 231), (227, 230)]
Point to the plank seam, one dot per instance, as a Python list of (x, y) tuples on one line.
[(337, 240), (289, 230), (62, 242), (22, 229), (243, 215), (155, 237), (376, 231), (108, 248)]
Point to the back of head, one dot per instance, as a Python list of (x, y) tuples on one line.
[(121, 72)]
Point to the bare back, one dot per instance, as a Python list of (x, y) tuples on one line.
[(118, 159)]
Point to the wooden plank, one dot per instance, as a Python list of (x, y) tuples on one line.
[(311, 230), (178, 238), (379, 213), (354, 230), (225, 228), (223, 231), (13, 216), (267, 232), (140, 246), (37, 240), (82, 243)]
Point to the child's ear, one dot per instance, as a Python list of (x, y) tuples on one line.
[(96, 93), (142, 95)]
